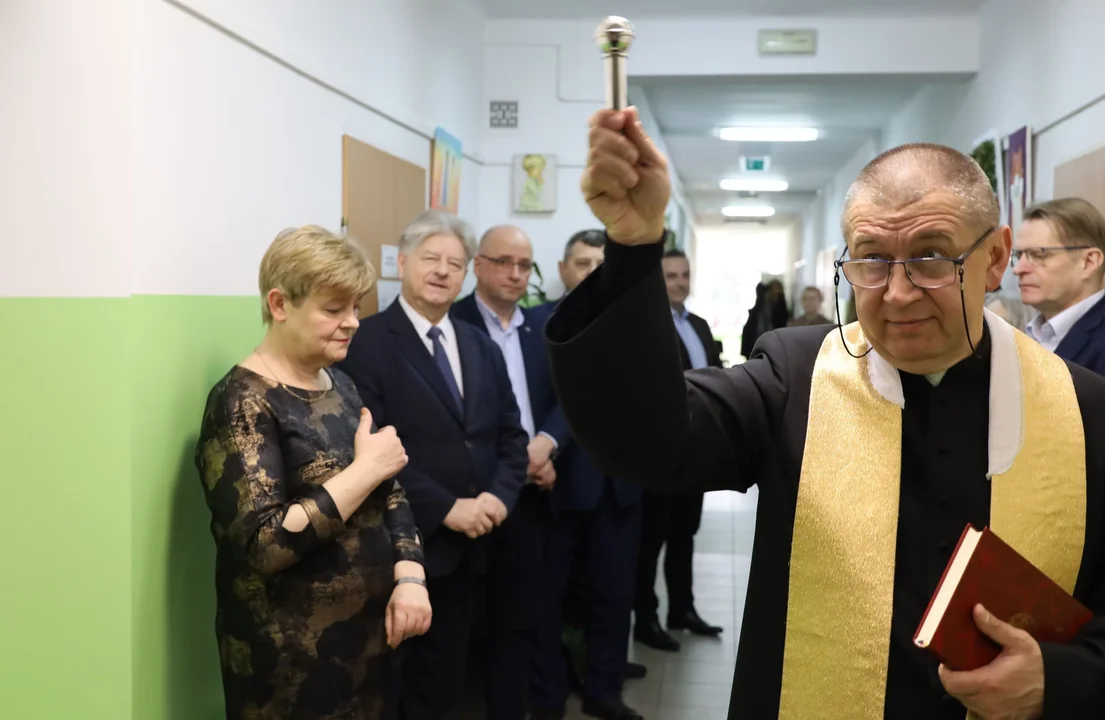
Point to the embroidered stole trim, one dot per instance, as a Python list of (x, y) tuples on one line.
[(841, 587)]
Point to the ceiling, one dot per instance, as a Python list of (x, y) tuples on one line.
[(847, 110), (683, 8)]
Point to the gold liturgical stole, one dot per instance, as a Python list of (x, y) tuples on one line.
[(845, 528)]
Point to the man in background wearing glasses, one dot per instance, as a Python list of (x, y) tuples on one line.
[(1059, 261), (502, 266), (873, 446)]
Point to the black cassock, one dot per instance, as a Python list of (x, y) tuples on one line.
[(616, 364)]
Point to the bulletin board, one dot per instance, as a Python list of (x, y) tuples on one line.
[(381, 194), (1083, 177)]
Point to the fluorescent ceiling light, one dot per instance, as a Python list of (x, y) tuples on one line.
[(748, 211), (769, 134), (754, 185)]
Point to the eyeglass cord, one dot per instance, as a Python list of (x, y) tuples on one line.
[(840, 324)]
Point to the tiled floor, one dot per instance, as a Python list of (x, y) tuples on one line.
[(694, 683)]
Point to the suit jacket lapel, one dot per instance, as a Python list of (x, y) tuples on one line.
[(702, 329), (529, 336), (1081, 332), (469, 368), (684, 354), (414, 350)]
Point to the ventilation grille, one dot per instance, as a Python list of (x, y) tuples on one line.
[(504, 113)]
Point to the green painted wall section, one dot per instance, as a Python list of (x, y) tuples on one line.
[(65, 534), (182, 346)]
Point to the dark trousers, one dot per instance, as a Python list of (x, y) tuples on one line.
[(432, 665), (609, 535), (433, 668), (670, 520), (513, 597)]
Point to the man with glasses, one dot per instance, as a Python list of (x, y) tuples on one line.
[(1059, 261), (445, 388), (502, 266), (590, 562), (873, 446)]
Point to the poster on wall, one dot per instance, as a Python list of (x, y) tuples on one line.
[(445, 162), (534, 186), (986, 151), (1018, 176)]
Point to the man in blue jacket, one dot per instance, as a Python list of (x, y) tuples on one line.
[(1059, 261), (597, 518)]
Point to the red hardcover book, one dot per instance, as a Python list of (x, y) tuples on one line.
[(983, 569)]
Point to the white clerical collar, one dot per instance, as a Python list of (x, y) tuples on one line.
[(936, 378), (1006, 394)]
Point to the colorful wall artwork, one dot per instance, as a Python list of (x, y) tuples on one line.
[(1018, 177), (445, 163)]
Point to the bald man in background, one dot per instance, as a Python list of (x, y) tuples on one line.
[(873, 446), (502, 266)]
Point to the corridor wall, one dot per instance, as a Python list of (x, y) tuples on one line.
[(159, 147), (64, 330), (232, 146)]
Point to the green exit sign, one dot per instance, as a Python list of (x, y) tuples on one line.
[(755, 164)]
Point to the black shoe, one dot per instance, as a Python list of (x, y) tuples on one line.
[(610, 710), (547, 713), (635, 671), (691, 622), (649, 632)]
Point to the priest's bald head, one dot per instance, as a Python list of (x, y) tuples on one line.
[(934, 207)]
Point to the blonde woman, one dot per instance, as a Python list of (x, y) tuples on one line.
[(319, 568)]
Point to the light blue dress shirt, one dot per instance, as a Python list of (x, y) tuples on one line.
[(1049, 333), (510, 343), (690, 338)]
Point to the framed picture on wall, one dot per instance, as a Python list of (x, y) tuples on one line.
[(1018, 177), (986, 151), (534, 183), (445, 161)]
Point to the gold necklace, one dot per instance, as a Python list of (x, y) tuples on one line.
[(287, 388)]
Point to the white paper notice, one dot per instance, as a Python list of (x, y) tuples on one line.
[(386, 292), (389, 261)]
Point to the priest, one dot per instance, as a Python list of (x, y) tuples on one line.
[(873, 445)]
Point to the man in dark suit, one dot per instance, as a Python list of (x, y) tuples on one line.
[(444, 387), (503, 264), (598, 519), (872, 446), (673, 521), (1059, 259)]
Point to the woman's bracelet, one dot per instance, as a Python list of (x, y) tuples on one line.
[(415, 580)]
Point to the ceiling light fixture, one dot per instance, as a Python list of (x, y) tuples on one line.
[(748, 211), (769, 134), (754, 185)]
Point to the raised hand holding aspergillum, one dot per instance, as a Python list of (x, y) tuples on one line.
[(626, 181)]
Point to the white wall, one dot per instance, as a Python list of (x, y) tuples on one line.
[(64, 179), (928, 116), (821, 222), (845, 45), (555, 73), (1039, 61), (231, 146)]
